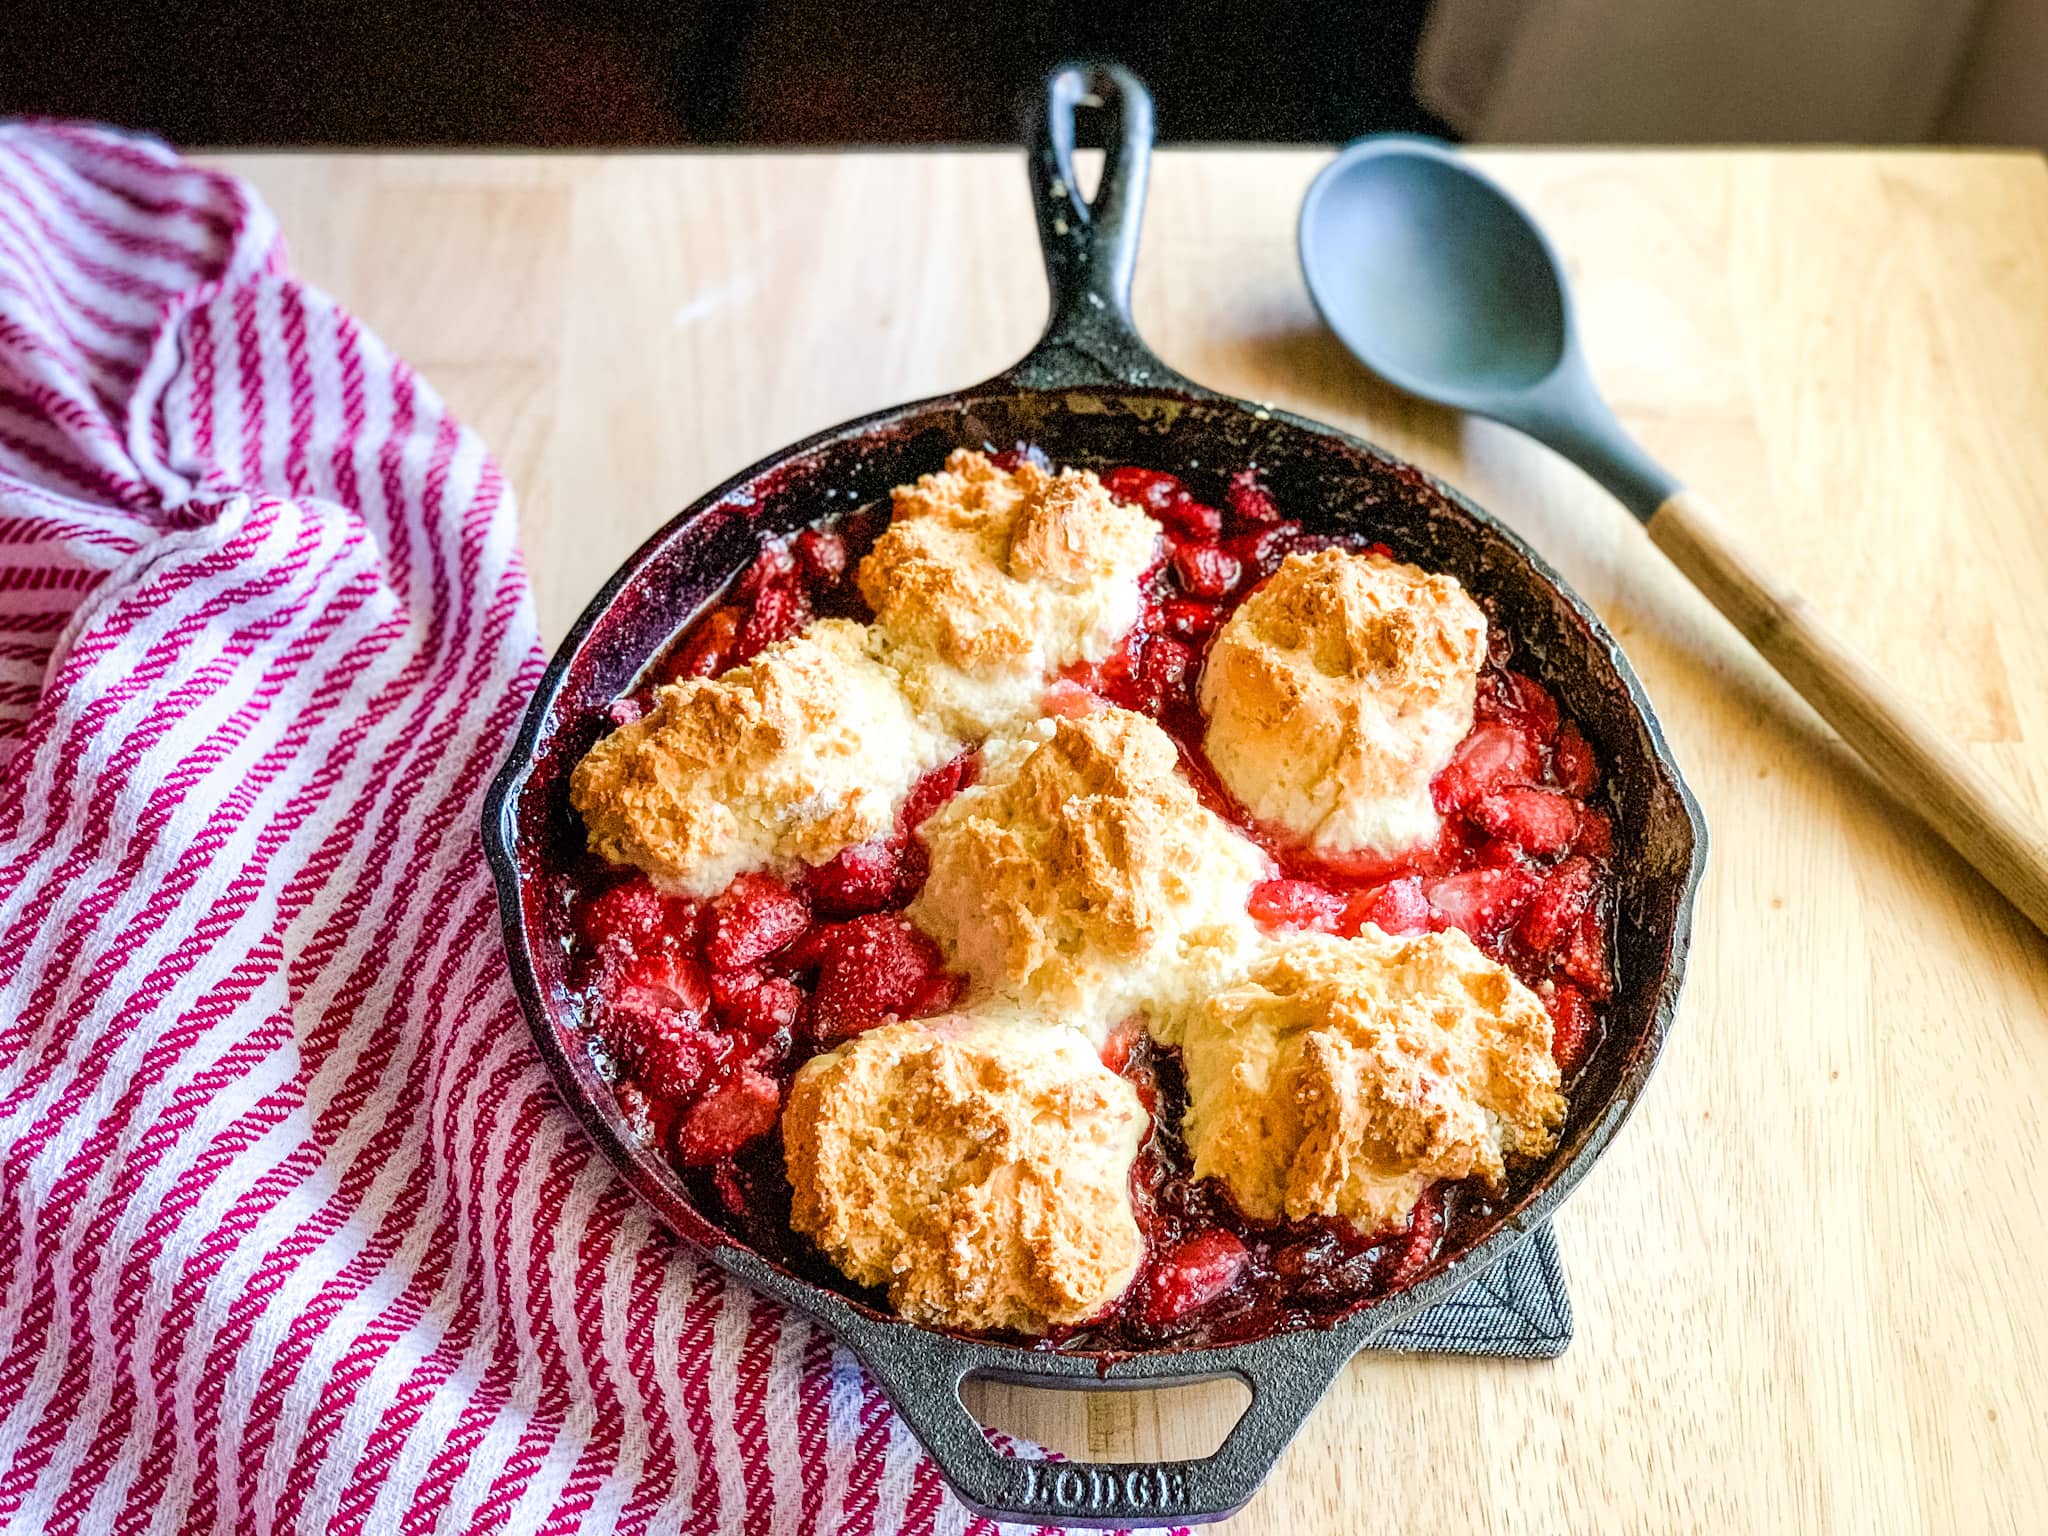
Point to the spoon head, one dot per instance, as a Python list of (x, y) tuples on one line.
[(1434, 277)]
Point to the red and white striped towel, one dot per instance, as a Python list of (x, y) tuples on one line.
[(293, 1234)]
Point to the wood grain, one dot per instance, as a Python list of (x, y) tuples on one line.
[(1911, 755), (1808, 1276)]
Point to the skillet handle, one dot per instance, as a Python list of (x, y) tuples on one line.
[(922, 1373), (1090, 248)]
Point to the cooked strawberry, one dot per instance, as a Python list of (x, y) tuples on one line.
[(1519, 700), (864, 878), (1409, 1254), (1123, 1039), (871, 969), (1165, 670), (773, 1053), (1188, 1277), (1115, 677), (1596, 833), (1188, 620), (1572, 762), (626, 919), (1066, 699), (1192, 521), (739, 1110), (1295, 904), (859, 529), (1261, 550), (806, 952), (917, 863), (654, 1010), (1142, 1075), (1481, 902), (1152, 489), (709, 650), (1397, 908), (756, 1002), (653, 984), (778, 613), (775, 1007), (751, 919), (935, 789), (686, 919), (1555, 912), (1571, 1026), (1535, 821), (1492, 756), (822, 554), (1205, 571), (773, 566), (1493, 852), (1249, 501), (1456, 846), (1585, 955), (942, 990), (673, 1063)]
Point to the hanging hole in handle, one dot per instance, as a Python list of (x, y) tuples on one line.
[(1089, 219), (1093, 116), (1088, 172), (1093, 126), (1188, 1422)]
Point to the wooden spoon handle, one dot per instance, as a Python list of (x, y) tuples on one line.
[(1913, 758)]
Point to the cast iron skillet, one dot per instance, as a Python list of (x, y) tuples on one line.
[(1091, 393)]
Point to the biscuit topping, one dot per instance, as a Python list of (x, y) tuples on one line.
[(988, 581), (1082, 876), (808, 749), (979, 1171), (1336, 691), (1342, 1077)]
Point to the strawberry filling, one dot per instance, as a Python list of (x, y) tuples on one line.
[(704, 1011)]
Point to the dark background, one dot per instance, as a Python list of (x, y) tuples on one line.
[(643, 72)]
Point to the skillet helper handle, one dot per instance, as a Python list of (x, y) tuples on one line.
[(923, 1379), (1090, 248), (1914, 759)]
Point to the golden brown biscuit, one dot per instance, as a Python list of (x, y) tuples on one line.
[(988, 581), (1083, 877), (1342, 1077), (980, 1172), (1336, 691), (806, 750)]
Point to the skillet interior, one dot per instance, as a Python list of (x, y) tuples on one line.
[(1328, 481), (1064, 397)]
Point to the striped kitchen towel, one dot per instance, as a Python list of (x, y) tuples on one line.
[(293, 1234)]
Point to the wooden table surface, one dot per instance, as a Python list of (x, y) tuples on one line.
[(1810, 1277)]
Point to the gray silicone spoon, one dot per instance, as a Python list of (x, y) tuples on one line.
[(1441, 284)]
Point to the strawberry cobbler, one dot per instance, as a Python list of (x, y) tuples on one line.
[(1067, 905)]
